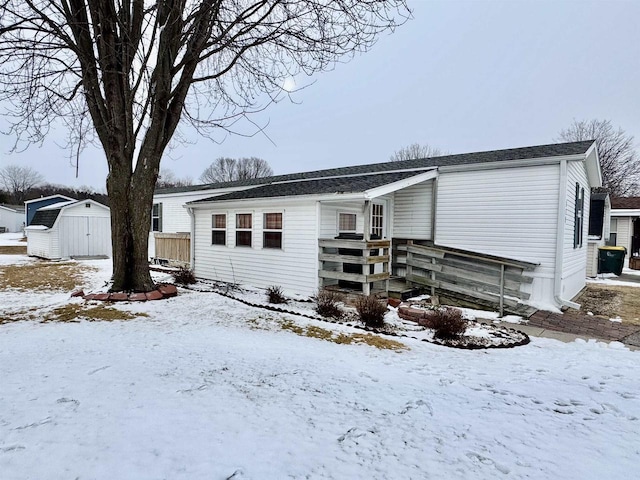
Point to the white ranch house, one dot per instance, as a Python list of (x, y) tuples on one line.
[(506, 224), (75, 228)]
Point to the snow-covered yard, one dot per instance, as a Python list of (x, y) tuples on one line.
[(209, 388)]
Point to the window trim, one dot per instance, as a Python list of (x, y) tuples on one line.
[(218, 229), (156, 215), (273, 230), (382, 225), (578, 225), (355, 227), (238, 230)]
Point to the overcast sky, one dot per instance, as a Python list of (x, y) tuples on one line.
[(462, 76)]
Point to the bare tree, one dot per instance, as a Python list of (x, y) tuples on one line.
[(226, 169), (619, 159), (126, 73), (416, 150), (19, 181), (167, 179)]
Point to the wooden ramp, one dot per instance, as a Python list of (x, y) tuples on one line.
[(464, 277)]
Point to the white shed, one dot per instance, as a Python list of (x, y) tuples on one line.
[(79, 228), (11, 218)]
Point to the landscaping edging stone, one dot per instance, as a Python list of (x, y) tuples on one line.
[(163, 291), (525, 340)]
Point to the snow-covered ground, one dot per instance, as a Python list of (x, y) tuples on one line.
[(11, 240), (612, 279), (209, 388)]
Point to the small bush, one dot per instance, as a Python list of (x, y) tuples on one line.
[(327, 303), (184, 276), (447, 323), (371, 311), (275, 295)]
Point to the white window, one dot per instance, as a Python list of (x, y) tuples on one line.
[(218, 229), (346, 223), (156, 217), (272, 231), (579, 217), (377, 220), (243, 229)]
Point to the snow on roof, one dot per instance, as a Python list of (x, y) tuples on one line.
[(58, 205)]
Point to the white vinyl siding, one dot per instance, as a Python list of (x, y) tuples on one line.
[(39, 243), (11, 220), (623, 238), (504, 212), (294, 267), (574, 265), (412, 212), (329, 217)]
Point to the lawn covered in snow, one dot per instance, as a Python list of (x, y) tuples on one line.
[(209, 388)]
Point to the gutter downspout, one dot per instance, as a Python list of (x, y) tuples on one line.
[(192, 240), (562, 209)]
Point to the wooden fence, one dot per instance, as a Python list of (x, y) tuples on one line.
[(173, 248), (488, 280)]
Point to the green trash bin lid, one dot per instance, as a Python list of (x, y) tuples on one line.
[(613, 248)]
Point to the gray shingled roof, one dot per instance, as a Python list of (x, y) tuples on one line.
[(540, 151), (354, 184), (45, 217)]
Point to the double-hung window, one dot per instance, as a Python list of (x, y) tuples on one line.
[(613, 233), (219, 229), (156, 217), (579, 217), (272, 231), (243, 229)]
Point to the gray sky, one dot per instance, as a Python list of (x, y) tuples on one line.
[(463, 76)]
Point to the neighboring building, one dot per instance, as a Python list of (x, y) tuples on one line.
[(31, 206), (527, 205), (625, 225), (75, 228), (11, 218), (599, 223)]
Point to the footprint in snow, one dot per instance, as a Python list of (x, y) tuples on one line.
[(12, 448), (488, 461)]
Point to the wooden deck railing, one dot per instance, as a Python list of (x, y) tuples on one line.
[(489, 279), (371, 253)]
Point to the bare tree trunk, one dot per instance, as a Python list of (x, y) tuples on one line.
[(131, 198)]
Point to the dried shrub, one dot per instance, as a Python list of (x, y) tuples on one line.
[(447, 323), (275, 295), (371, 311), (184, 276), (327, 303)]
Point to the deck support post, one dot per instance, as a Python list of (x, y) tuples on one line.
[(501, 290)]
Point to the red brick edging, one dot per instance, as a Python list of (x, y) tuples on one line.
[(163, 291)]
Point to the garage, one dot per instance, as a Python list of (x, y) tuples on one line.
[(72, 229)]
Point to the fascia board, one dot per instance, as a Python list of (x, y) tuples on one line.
[(277, 200), (528, 162), (400, 184)]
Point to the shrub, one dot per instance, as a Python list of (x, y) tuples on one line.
[(447, 323), (371, 311), (275, 295), (184, 276), (327, 303)]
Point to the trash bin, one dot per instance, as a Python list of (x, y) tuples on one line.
[(611, 259)]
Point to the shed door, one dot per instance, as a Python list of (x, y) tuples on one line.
[(85, 236)]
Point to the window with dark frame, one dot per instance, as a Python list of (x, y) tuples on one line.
[(156, 217), (272, 231), (579, 217), (219, 229), (243, 229)]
